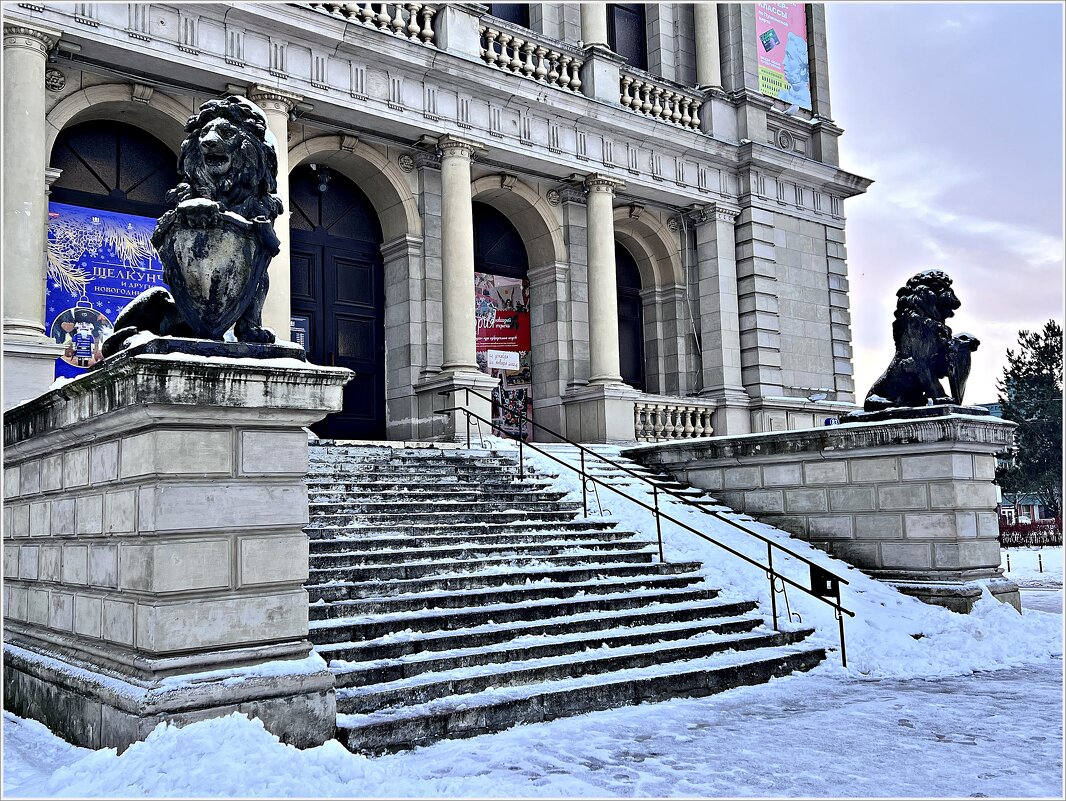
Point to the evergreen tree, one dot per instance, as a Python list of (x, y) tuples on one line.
[(1030, 393)]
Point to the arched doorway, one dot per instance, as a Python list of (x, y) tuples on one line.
[(338, 293), (504, 345), (630, 319), (102, 210)]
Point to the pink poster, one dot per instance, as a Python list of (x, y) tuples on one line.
[(781, 42)]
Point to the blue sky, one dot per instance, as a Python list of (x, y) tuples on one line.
[(956, 111)]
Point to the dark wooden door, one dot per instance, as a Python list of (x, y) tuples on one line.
[(630, 319), (337, 286)]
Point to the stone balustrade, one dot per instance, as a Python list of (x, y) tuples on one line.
[(659, 101), (412, 21), (656, 419), (513, 50)]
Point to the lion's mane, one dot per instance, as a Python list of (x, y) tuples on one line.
[(248, 188)]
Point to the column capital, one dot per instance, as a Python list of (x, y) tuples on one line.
[(33, 37), (712, 212), (598, 182), (270, 98), (456, 146)]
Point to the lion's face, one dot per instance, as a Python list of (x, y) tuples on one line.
[(225, 147)]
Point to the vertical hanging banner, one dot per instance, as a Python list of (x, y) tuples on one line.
[(501, 307), (781, 45), (98, 261)]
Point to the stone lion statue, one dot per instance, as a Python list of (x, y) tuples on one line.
[(216, 243), (926, 351)]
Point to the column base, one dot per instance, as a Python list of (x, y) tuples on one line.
[(29, 367), (93, 708), (452, 427), (601, 413), (962, 595)]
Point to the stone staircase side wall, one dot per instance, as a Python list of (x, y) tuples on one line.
[(909, 501), (154, 516)]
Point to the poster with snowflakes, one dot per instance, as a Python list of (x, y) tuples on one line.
[(781, 50), (98, 261)]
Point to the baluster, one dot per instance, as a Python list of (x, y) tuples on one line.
[(686, 421), (382, 19), (575, 77), (366, 13), (695, 114), (490, 46), (626, 99), (516, 47), (697, 423), (504, 39), (553, 67), (645, 96), (540, 52), (427, 34), (636, 422), (657, 108), (707, 429), (675, 110), (527, 65), (398, 24), (686, 118), (412, 21), (658, 420), (349, 10)]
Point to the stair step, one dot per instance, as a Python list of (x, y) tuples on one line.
[(370, 625), (422, 535), (451, 510), (406, 495), (500, 708), (361, 666), (506, 594), (427, 687), (343, 568), (463, 579), (346, 553), (399, 642)]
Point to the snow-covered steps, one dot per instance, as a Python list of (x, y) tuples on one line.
[(453, 594)]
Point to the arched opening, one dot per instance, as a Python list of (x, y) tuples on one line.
[(504, 344), (338, 293), (630, 318), (111, 166), (102, 210)]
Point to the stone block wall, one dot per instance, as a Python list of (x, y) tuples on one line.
[(154, 515), (909, 501)]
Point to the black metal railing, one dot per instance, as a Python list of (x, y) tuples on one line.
[(825, 585)]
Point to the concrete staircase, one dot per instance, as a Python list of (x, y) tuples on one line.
[(451, 599)]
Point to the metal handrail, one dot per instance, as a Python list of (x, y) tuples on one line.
[(829, 581)]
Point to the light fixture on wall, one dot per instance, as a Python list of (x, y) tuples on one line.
[(323, 176)]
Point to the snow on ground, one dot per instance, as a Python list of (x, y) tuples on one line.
[(1033, 567), (891, 636), (971, 707)]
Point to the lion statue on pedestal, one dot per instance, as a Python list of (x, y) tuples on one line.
[(926, 351), (216, 243)]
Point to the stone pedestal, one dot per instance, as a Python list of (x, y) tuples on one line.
[(154, 552), (446, 390), (601, 413), (911, 502)]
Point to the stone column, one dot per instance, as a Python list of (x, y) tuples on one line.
[(277, 104), (594, 24), (603, 284), (457, 255), (29, 353), (459, 371), (708, 52), (720, 318)]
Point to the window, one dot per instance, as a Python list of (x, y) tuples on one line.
[(627, 32), (518, 13)]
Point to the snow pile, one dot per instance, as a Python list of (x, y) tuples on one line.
[(891, 636)]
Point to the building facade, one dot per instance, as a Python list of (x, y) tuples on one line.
[(610, 214)]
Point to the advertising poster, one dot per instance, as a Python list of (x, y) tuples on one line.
[(98, 261), (503, 344), (781, 43)]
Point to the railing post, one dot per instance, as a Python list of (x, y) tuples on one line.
[(521, 462), (658, 522), (773, 589), (840, 621), (584, 491)]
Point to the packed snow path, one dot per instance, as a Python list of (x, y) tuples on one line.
[(452, 597)]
